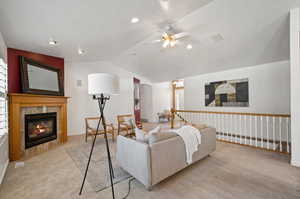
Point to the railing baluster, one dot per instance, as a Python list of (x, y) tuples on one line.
[(219, 124), (222, 125), (231, 131), (280, 127), (256, 131), (261, 132), (250, 134), (268, 147), (200, 118), (236, 129), (245, 123), (240, 129), (215, 121), (274, 141), (225, 128), (287, 133), (224, 138)]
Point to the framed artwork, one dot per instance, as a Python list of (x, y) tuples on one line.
[(230, 93)]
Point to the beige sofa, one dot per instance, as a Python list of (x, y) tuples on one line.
[(154, 162)]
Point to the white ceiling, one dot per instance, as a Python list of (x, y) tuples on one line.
[(254, 32)]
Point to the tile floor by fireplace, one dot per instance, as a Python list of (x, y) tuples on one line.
[(231, 172)]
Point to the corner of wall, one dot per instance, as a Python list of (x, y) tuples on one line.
[(295, 163), (4, 139)]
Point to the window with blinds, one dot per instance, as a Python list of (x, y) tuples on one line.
[(3, 98)]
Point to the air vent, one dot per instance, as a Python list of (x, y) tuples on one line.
[(217, 38)]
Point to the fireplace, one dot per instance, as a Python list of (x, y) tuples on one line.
[(40, 128)]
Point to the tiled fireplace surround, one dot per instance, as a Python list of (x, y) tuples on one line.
[(22, 104), (42, 147)]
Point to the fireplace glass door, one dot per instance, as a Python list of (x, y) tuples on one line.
[(40, 128)]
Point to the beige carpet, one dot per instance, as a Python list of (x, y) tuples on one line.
[(98, 173), (231, 172)]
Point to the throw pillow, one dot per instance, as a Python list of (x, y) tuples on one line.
[(155, 130), (140, 135)]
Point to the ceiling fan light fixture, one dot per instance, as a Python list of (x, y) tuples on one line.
[(81, 51), (135, 20), (172, 43), (166, 43)]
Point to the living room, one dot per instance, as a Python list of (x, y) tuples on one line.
[(95, 104)]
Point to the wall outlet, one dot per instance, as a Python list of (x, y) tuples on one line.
[(19, 164)]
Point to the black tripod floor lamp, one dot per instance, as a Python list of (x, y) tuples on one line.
[(101, 86)]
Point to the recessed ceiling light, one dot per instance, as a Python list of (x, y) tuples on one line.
[(135, 20), (164, 4), (53, 42), (81, 51), (189, 46)]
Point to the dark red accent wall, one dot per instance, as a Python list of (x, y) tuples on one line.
[(14, 77), (137, 109)]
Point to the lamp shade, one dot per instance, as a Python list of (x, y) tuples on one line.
[(103, 83)]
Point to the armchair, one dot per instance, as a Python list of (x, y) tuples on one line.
[(91, 126), (125, 125)]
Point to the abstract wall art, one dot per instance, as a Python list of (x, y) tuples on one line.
[(230, 93)]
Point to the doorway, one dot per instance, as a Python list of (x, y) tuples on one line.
[(178, 94)]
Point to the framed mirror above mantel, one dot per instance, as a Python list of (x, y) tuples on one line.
[(41, 79)]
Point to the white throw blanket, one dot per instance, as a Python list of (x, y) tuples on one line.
[(191, 138)]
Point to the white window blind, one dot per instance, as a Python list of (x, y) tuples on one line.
[(3, 98)]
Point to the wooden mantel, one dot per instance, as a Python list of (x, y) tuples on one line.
[(18, 101)]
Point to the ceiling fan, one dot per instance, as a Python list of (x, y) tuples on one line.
[(169, 39), (169, 36)]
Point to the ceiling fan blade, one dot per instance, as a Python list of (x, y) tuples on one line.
[(180, 35), (156, 41)]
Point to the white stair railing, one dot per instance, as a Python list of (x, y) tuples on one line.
[(266, 131)]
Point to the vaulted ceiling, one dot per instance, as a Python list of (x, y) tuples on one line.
[(224, 34)]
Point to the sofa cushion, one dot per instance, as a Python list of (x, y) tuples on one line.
[(156, 137)]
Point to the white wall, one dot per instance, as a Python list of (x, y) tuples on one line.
[(82, 105), (295, 85), (269, 88), (4, 139), (162, 98)]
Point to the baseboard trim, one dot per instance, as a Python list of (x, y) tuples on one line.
[(4, 171), (294, 163)]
